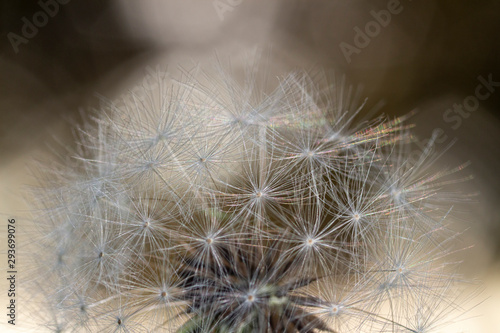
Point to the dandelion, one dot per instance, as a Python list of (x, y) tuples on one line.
[(218, 208)]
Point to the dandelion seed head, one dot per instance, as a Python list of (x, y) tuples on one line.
[(207, 205)]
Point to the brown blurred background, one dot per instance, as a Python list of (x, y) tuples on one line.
[(428, 57)]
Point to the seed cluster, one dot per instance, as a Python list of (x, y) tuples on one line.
[(218, 208)]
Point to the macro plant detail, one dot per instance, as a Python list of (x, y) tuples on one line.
[(209, 206)]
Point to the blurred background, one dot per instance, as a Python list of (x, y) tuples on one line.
[(58, 58)]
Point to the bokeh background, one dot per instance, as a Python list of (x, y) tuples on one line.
[(428, 58)]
